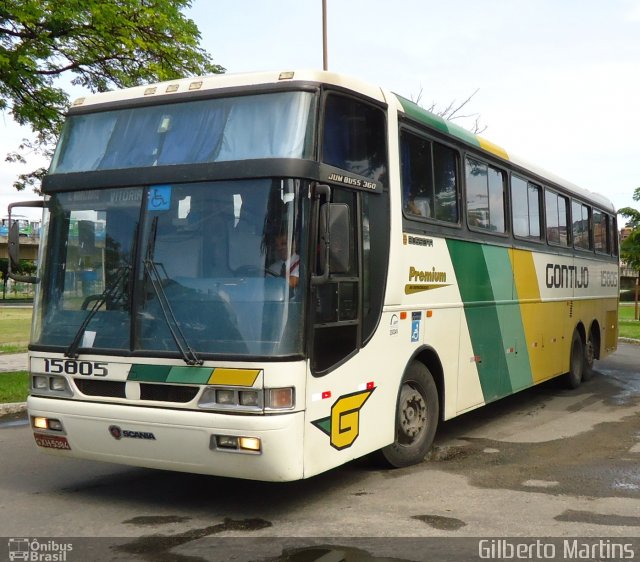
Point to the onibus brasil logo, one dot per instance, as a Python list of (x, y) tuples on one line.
[(38, 551), (343, 425)]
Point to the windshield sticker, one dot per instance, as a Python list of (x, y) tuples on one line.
[(159, 198)]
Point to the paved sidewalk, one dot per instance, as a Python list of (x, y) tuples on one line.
[(13, 362)]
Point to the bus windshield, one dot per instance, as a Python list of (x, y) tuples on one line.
[(214, 266), (272, 125)]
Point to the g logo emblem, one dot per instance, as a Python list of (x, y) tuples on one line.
[(343, 425)]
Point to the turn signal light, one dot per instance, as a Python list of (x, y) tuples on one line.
[(280, 398)]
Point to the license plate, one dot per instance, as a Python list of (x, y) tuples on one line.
[(51, 441)]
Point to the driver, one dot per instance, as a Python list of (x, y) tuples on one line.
[(285, 265)]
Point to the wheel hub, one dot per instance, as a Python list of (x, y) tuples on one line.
[(413, 413)]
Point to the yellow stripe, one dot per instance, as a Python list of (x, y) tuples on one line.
[(493, 148), (234, 377), (544, 322), (525, 275)]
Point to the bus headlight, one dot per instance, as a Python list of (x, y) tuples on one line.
[(249, 444), (51, 385), (235, 444), (226, 397), (40, 422), (40, 382), (249, 398), (58, 384)]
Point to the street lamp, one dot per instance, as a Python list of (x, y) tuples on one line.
[(325, 57)]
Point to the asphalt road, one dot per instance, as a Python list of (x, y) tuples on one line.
[(547, 462)]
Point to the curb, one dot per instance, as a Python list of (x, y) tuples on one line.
[(13, 408), (629, 340)]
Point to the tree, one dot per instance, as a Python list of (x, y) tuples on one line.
[(99, 44), (630, 247), (452, 111)]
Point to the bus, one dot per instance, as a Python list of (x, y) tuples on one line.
[(265, 276), (25, 226)]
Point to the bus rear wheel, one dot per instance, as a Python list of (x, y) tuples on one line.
[(589, 358), (577, 361), (417, 414)]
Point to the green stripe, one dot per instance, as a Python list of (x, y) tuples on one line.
[(190, 375), (509, 317), (421, 115), (486, 283), (482, 317), (169, 374), (149, 373)]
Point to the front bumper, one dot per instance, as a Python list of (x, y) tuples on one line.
[(176, 439)]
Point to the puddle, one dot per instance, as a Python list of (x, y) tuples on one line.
[(12, 422), (157, 548), (144, 520), (441, 523), (608, 519)]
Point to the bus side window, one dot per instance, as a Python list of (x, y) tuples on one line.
[(613, 235), (581, 225), (429, 179), (445, 181), (557, 211), (601, 232), (417, 179), (485, 196), (354, 137), (525, 202)]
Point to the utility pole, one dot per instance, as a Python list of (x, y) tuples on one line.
[(636, 296), (325, 56)]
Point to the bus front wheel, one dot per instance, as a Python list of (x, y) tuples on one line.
[(417, 414)]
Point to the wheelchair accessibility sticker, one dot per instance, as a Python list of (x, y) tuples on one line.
[(159, 198), (416, 319)]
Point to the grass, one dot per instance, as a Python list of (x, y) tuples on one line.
[(14, 387), (627, 326), (15, 324)]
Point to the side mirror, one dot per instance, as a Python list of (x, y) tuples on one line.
[(14, 244), (334, 248), (340, 237)]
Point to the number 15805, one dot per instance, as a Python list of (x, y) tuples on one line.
[(73, 367)]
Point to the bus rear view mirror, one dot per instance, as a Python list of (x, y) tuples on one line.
[(334, 235), (339, 233), (14, 244)]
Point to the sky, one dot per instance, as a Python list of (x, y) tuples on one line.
[(558, 81)]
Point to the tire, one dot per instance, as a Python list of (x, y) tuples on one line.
[(417, 415), (573, 378), (589, 357)]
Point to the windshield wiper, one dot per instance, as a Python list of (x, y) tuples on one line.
[(111, 293), (189, 356)]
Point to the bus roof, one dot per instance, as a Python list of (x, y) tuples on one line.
[(185, 86)]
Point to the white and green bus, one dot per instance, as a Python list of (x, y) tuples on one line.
[(265, 276)]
